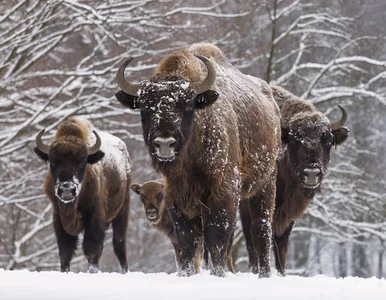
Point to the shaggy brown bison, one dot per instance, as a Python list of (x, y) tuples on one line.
[(307, 137), (152, 197), (89, 188), (214, 134)]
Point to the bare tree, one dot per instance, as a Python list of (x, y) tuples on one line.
[(58, 58)]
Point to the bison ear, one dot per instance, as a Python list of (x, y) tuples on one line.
[(43, 156), (340, 135), (284, 135), (127, 100), (206, 99), (136, 188), (94, 158)]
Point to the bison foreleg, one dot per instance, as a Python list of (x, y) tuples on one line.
[(119, 235), (219, 226), (188, 240), (67, 244), (281, 249), (94, 235)]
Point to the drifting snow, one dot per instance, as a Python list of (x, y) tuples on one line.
[(55, 285)]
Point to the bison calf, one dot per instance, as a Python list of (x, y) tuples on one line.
[(152, 196), (307, 140), (89, 188)]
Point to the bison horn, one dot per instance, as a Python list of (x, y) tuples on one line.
[(124, 85), (207, 83), (39, 143), (338, 124), (94, 149)]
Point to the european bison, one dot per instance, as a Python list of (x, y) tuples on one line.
[(89, 188), (214, 134), (152, 197), (307, 137)]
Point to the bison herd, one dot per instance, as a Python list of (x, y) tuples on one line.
[(221, 141)]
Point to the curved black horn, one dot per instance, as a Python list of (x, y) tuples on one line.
[(124, 85), (39, 143), (207, 83), (94, 149), (338, 124)]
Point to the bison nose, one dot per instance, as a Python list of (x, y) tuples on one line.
[(151, 213), (66, 191), (311, 176), (165, 147)]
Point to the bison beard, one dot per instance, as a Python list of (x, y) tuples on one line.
[(214, 134)]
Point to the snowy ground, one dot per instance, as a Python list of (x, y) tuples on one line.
[(136, 286)]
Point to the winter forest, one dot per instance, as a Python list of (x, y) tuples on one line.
[(58, 58)]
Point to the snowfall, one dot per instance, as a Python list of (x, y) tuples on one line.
[(136, 285)]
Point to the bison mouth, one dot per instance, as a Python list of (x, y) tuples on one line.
[(165, 148), (153, 216), (67, 191), (311, 177), (310, 186)]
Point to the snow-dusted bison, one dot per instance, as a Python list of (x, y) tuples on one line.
[(307, 137), (88, 183), (214, 134), (151, 194)]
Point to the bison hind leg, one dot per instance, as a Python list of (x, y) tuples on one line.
[(245, 216), (119, 224)]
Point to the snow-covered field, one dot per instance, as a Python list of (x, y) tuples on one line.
[(136, 286)]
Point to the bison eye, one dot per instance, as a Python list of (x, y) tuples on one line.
[(327, 138), (160, 196), (143, 200)]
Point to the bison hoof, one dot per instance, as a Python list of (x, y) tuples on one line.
[(264, 274), (92, 269), (124, 270), (65, 269), (254, 269), (186, 272), (218, 271)]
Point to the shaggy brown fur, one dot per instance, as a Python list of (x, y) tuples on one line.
[(224, 151), (103, 180), (307, 141), (151, 196)]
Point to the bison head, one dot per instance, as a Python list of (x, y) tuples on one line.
[(151, 195), (167, 105), (68, 157), (309, 139)]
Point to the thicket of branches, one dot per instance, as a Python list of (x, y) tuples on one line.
[(59, 58)]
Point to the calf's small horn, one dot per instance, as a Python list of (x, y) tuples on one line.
[(94, 149), (124, 85), (39, 143), (338, 124), (207, 83)]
